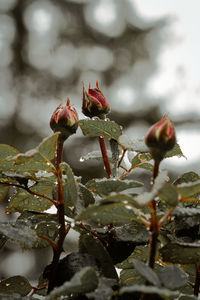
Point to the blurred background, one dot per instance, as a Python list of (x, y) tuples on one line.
[(143, 53)]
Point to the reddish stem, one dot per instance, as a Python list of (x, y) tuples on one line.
[(105, 156), (154, 228), (61, 218)]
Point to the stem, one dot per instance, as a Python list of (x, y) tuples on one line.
[(105, 156), (154, 228), (197, 280), (61, 218)]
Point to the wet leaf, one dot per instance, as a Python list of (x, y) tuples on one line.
[(105, 186), (70, 186), (173, 277), (189, 189), (180, 253), (146, 197), (108, 214), (83, 281), (146, 272), (6, 151), (107, 129), (22, 200), (137, 145), (19, 232), (85, 198), (187, 177), (135, 232), (43, 224), (92, 245), (15, 284), (95, 155), (130, 277), (169, 195), (175, 151), (119, 198), (140, 159), (48, 146)]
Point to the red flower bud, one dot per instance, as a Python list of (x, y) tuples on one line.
[(65, 120), (161, 136), (94, 103)]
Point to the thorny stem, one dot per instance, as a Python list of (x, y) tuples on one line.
[(197, 280), (154, 228), (105, 156), (61, 218)]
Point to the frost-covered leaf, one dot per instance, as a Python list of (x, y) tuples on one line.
[(187, 177), (105, 186), (180, 253), (107, 129), (3, 192), (48, 146), (104, 289), (146, 197), (6, 151), (23, 200), (135, 232), (140, 158), (145, 271), (70, 186), (186, 212), (91, 245), (189, 189), (175, 151), (16, 284), (172, 277), (137, 145), (169, 195), (83, 281), (19, 232), (148, 290), (86, 195), (43, 224), (108, 214)]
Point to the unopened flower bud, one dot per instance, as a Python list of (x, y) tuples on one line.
[(161, 137), (94, 103), (65, 120)]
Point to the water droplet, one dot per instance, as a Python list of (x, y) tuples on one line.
[(82, 159), (7, 284)]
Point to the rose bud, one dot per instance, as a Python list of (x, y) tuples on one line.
[(65, 120), (94, 103), (161, 137)]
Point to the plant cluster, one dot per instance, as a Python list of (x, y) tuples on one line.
[(132, 244)]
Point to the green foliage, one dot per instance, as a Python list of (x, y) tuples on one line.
[(116, 219)]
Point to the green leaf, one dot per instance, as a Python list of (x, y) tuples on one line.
[(82, 282), (70, 186), (108, 214), (169, 195), (15, 284), (140, 159), (105, 186), (140, 252), (91, 245), (130, 277), (146, 272), (48, 146), (180, 253), (19, 232), (32, 161), (107, 129), (3, 192), (86, 195), (43, 224), (187, 177), (148, 290), (22, 200), (175, 151), (146, 197), (119, 198), (6, 151), (135, 232), (189, 189), (172, 277)]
